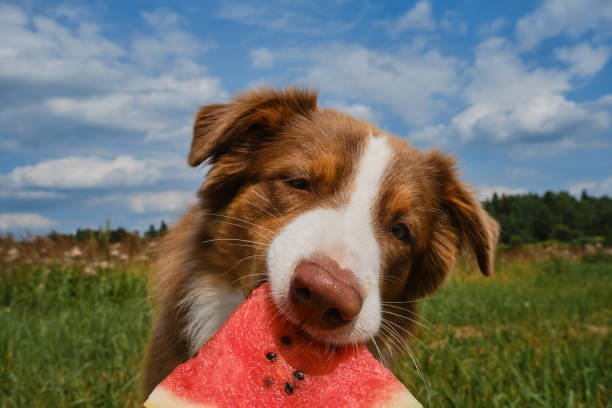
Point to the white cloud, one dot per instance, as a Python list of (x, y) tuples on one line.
[(167, 201), (493, 28), (161, 18), (541, 117), (593, 187), (502, 78), (413, 82), (418, 18), (10, 221), (573, 17), (151, 83), (93, 172), (290, 17), (511, 102), (152, 107), (358, 110), (506, 99), (166, 40), (261, 58), (71, 12), (452, 23), (161, 201), (565, 144), (28, 195), (518, 173), (486, 192), (583, 59), (27, 44)]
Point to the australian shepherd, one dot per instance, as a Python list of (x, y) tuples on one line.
[(349, 224)]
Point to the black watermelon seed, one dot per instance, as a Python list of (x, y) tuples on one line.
[(288, 388), (270, 355), (298, 375), (286, 340), (268, 381)]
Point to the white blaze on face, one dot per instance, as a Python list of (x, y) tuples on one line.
[(345, 234)]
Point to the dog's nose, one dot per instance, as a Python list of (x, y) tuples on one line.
[(323, 294)]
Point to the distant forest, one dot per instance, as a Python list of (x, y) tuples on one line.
[(531, 218), (108, 235), (524, 219)]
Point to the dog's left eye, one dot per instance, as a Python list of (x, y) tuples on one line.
[(401, 232), (299, 184)]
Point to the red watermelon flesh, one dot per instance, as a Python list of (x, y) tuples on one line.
[(257, 360)]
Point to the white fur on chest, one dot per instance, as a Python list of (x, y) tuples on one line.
[(208, 305)]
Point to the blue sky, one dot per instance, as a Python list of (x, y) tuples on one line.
[(97, 97)]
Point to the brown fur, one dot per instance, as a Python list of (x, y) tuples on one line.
[(257, 142)]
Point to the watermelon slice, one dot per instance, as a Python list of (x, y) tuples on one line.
[(257, 359)]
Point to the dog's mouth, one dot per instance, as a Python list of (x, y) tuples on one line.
[(345, 334), (332, 336)]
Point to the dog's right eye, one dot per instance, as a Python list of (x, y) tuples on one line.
[(401, 232), (299, 184)]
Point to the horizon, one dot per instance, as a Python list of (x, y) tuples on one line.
[(162, 224), (98, 97)]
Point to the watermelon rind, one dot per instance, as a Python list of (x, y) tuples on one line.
[(165, 398)]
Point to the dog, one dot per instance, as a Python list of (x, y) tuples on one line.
[(349, 224)]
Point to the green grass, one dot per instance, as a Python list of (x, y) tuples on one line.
[(69, 339), (536, 334)]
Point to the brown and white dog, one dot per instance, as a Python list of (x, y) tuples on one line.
[(349, 224)]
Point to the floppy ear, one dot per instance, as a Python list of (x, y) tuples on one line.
[(460, 221), (475, 228), (251, 114)]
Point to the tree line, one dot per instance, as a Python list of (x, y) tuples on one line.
[(559, 216), (108, 235), (524, 219)]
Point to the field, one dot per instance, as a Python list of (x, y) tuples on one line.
[(535, 335)]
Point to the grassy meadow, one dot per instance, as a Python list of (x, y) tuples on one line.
[(537, 334)]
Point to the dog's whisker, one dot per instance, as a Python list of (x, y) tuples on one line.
[(391, 341), (380, 354), (411, 312), (396, 334), (289, 249), (398, 341), (250, 275), (403, 329), (241, 220), (241, 261), (405, 348), (332, 352), (407, 319), (235, 240), (246, 227), (260, 195), (355, 345), (408, 301), (389, 346), (422, 375), (243, 246), (393, 279), (405, 308)]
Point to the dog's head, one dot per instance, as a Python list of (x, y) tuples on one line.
[(341, 218)]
